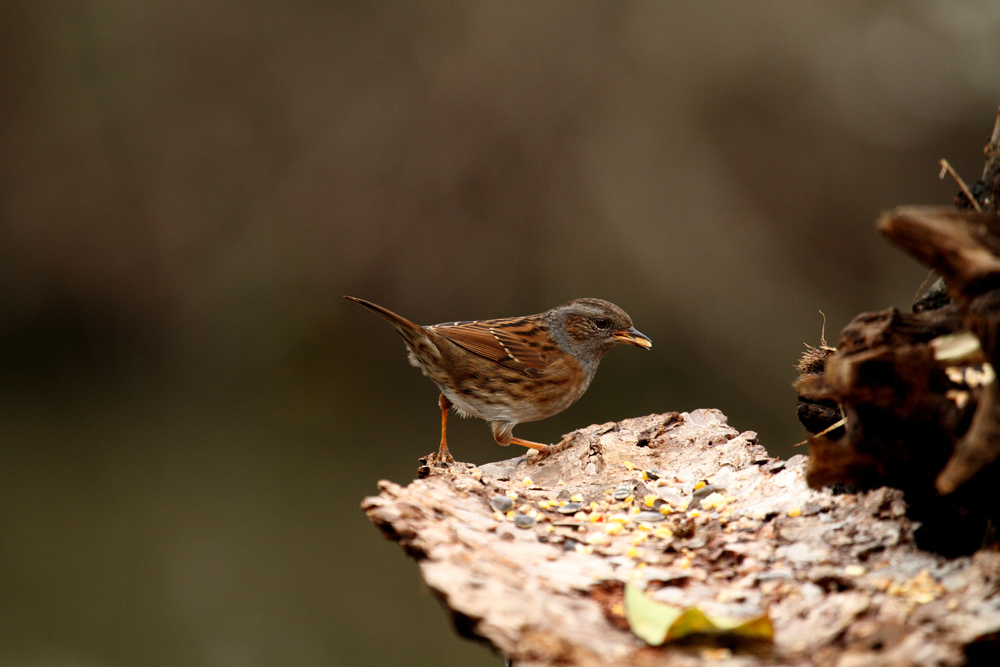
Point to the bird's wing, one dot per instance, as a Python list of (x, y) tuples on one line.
[(518, 343)]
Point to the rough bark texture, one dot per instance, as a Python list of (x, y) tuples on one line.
[(742, 535)]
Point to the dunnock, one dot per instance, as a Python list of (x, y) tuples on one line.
[(515, 369)]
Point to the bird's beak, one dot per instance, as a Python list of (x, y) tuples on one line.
[(633, 337)]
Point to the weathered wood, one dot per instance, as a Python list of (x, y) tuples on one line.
[(840, 576), (917, 416)]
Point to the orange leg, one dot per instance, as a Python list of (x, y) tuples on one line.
[(543, 449), (502, 434), (443, 455)]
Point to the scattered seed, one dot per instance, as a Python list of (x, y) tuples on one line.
[(570, 508), (705, 490), (524, 521), (649, 517), (622, 492), (653, 473), (701, 492), (501, 503), (597, 538)]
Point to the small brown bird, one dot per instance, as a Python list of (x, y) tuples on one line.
[(515, 369)]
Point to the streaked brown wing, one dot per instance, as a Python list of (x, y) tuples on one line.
[(519, 343)]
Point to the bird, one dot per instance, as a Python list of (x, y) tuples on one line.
[(516, 369)]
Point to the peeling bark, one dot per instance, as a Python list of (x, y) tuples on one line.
[(840, 576)]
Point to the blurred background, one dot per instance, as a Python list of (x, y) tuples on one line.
[(190, 414)]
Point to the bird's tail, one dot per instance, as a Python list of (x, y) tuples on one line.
[(413, 334)]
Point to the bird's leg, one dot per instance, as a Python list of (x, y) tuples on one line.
[(540, 448), (504, 437), (544, 451), (443, 455), (502, 432)]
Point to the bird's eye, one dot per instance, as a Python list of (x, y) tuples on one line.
[(602, 323)]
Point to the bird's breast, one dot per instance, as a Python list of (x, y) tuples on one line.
[(509, 396)]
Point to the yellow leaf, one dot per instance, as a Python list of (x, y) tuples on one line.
[(649, 620), (656, 623)]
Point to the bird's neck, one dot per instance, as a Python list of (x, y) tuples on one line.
[(587, 358)]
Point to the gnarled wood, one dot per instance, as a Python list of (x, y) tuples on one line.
[(918, 417)]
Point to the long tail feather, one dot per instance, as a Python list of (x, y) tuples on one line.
[(384, 312), (413, 334)]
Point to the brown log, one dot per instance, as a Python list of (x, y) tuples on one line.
[(840, 576)]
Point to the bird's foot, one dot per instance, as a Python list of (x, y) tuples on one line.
[(530, 457), (562, 445), (439, 459), (538, 454), (545, 452)]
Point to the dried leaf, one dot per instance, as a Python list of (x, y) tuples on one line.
[(648, 619), (656, 623)]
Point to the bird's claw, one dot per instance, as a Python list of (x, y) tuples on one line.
[(534, 456), (438, 460)]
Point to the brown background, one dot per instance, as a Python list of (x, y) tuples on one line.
[(190, 414)]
